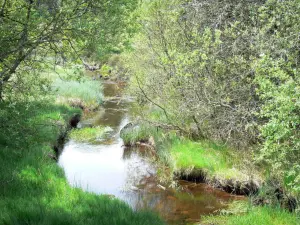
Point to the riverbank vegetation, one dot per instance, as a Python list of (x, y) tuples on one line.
[(202, 73), (86, 93), (225, 72), (33, 188), (244, 214), (42, 94), (90, 134)]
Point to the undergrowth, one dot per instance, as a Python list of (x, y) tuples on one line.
[(139, 133)]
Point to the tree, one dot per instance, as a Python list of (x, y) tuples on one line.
[(278, 80), (33, 30), (193, 59)]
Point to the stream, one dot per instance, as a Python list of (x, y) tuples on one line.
[(109, 168)]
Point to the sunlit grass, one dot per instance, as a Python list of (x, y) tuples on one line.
[(85, 93), (90, 134), (213, 159), (33, 188), (255, 215)]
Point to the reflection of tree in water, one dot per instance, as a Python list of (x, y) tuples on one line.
[(141, 151), (185, 204), (140, 186), (114, 114), (137, 168)]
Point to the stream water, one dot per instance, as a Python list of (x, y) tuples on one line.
[(129, 174)]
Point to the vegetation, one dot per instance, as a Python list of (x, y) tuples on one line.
[(85, 93), (33, 188), (139, 133), (209, 158), (225, 71), (255, 215), (36, 33), (90, 134), (202, 72)]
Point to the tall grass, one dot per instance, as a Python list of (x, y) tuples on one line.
[(140, 133), (85, 93)]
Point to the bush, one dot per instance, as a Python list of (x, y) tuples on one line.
[(279, 88)]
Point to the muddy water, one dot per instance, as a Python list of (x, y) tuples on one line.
[(129, 174)]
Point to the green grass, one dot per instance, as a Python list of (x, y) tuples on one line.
[(256, 216), (215, 160), (90, 134), (141, 132), (33, 188), (85, 93)]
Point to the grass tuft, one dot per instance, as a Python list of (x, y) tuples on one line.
[(85, 93), (213, 159), (90, 134), (139, 133)]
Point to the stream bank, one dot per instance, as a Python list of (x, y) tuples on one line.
[(34, 189), (130, 174)]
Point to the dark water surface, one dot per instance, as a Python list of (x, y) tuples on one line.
[(129, 174)]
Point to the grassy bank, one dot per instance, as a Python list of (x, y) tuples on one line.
[(253, 215), (214, 164), (33, 188), (203, 160), (217, 165), (86, 94)]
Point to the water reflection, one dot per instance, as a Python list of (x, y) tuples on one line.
[(110, 168)]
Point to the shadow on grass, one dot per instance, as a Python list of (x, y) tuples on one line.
[(33, 189)]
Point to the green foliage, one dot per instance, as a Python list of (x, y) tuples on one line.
[(89, 134), (18, 120), (199, 75), (279, 88), (224, 71), (105, 70), (33, 187), (109, 32), (278, 80), (57, 32), (85, 93)]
